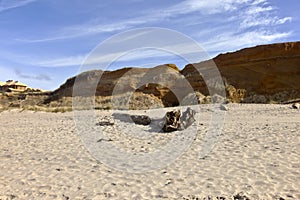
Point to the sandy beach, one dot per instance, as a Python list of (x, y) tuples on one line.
[(257, 156)]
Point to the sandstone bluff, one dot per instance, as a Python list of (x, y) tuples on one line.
[(261, 74)]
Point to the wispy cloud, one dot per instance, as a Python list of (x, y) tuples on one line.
[(134, 45), (91, 28), (253, 22), (226, 42), (233, 40), (203, 6), (263, 21), (98, 60), (65, 61), (82, 30), (247, 23), (40, 77), (261, 13), (249, 13), (254, 10), (10, 4)]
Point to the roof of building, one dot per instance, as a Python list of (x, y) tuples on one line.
[(14, 90), (12, 82)]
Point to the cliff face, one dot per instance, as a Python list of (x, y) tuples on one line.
[(266, 70), (259, 74), (269, 70), (155, 82)]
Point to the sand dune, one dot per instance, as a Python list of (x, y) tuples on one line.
[(42, 156)]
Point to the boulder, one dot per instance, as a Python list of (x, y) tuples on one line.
[(216, 98), (141, 119), (172, 121), (223, 107), (188, 118)]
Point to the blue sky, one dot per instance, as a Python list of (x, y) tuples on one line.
[(44, 42)]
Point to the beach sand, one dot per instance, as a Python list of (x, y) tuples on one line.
[(257, 154)]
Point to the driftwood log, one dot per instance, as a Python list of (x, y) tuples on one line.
[(172, 121)]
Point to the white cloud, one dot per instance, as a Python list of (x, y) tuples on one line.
[(260, 13), (284, 20), (10, 4), (100, 59), (204, 6), (252, 21), (40, 77), (258, 9), (86, 30), (208, 7), (220, 43), (229, 41), (36, 80), (57, 62), (185, 7), (264, 2), (222, 34), (248, 13)]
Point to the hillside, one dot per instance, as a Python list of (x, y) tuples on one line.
[(261, 74)]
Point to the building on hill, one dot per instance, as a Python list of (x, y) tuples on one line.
[(12, 86)]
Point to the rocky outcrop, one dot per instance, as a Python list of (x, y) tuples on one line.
[(157, 82), (188, 118), (265, 69), (268, 70), (261, 74), (141, 119)]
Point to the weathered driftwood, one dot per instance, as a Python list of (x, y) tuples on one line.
[(172, 121), (188, 118), (141, 119)]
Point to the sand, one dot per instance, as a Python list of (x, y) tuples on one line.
[(44, 156)]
